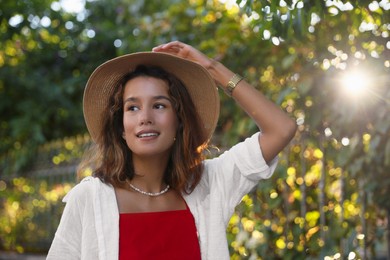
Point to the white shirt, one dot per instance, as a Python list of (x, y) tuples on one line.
[(89, 227)]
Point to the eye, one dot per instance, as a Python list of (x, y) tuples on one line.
[(132, 108), (159, 106)]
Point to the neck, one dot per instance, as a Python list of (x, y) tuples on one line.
[(149, 174)]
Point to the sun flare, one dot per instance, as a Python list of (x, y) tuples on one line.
[(355, 82)]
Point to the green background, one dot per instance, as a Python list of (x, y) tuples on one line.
[(329, 195)]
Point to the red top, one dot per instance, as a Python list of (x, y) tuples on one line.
[(158, 235)]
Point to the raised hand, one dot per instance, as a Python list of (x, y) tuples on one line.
[(185, 51), (276, 126)]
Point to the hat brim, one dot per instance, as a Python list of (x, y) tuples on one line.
[(198, 81)]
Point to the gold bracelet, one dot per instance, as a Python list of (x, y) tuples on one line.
[(232, 84)]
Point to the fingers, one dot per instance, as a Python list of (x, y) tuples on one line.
[(184, 51), (172, 47)]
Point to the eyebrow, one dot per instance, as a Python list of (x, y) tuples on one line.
[(134, 99)]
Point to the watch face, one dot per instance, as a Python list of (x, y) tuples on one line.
[(233, 83)]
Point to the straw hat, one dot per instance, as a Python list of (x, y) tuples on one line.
[(199, 83)]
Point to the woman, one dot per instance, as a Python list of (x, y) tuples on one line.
[(152, 194)]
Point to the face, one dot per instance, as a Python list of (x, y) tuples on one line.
[(149, 119)]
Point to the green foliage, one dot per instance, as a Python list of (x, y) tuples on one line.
[(329, 194), (30, 212), (41, 81), (30, 206)]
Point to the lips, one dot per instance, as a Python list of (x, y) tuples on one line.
[(145, 134)]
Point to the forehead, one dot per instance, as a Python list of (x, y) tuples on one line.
[(145, 85)]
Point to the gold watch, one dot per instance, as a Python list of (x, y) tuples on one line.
[(233, 83)]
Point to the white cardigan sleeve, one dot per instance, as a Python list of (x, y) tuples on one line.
[(236, 172), (89, 227), (67, 242), (226, 179)]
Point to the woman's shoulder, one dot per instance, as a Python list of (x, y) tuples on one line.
[(87, 183), (246, 148), (86, 188), (245, 157)]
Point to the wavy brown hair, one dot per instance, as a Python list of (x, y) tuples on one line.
[(111, 159)]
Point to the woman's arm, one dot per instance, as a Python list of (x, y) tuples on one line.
[(276, 126)]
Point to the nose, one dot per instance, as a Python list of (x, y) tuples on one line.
[(146, 117)]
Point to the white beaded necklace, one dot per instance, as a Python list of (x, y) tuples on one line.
[(152, 194)]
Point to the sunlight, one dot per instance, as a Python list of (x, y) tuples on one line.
[(355, 82), (72, 6)]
